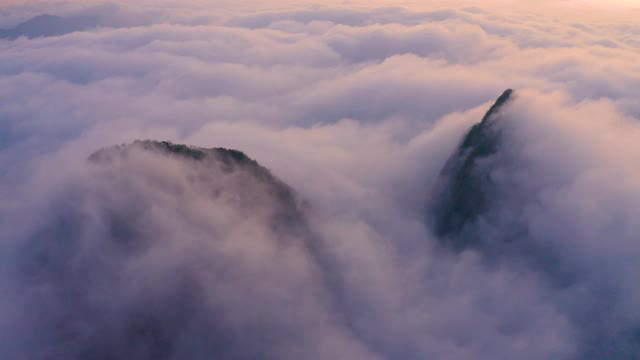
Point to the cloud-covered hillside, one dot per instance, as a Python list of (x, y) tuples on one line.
[(378, 212)]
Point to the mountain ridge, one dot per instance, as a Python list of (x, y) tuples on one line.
[(46, 25)]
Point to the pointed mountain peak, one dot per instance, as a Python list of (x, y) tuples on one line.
[(461, 194), (506, 95)]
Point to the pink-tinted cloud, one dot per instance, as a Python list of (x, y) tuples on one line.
[(357, 107)]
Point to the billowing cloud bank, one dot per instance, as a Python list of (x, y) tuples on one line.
[(357, 109)]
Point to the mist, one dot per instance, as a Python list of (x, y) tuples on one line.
[(297, 222)]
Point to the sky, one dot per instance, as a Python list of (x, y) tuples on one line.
[(357, 106)]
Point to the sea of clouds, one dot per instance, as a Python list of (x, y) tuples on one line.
[(357, 108)]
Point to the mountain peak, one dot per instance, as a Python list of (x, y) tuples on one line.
[(460, 195), (45, 25), (229, 159), (500, 102), (167, 147)]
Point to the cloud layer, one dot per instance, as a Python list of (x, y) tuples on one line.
[(357, 108)]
